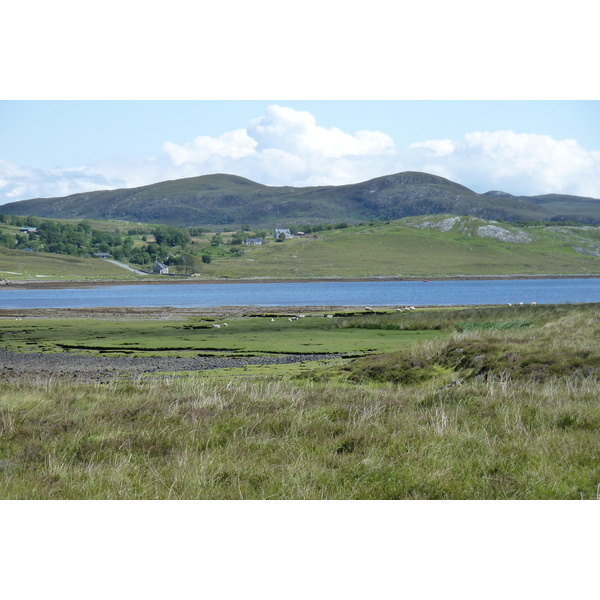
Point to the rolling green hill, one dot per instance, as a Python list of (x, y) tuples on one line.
[(17, 265), (424, 246), (216, 200)]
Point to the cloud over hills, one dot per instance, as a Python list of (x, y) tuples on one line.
[(285, 146)]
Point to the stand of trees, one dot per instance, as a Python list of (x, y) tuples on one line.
[(80, 239)]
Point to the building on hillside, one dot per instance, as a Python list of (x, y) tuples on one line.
[(101, 255), (28, 230), (286, 232), (160, 269), (253, 242)]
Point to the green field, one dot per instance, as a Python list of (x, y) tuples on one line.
[(17, 265), (477, 403)]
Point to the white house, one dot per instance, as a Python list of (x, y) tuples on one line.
[(253, 242), (287, 233)]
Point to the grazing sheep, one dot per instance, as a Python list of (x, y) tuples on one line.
[(399, 310), (225, 325), (330, 316), (217, 326), (272, 320), (368, 308)]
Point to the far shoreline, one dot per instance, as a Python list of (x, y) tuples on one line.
[(170, 280)]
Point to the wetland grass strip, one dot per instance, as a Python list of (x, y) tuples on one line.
[(274, 439)]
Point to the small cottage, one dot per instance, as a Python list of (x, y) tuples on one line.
[(101, 255), (160, 269), (286, 232), (253, 242)]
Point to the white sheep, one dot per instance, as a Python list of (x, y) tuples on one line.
[(217, 326)]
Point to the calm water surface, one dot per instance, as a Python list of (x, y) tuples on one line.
[(380, 293)]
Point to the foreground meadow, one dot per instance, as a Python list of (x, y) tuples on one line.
[(503, 405)]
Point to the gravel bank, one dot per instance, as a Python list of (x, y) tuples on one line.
[(103, 368)]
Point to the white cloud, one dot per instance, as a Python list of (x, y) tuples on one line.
[(288, 147), (519, 163), (21, 182), (297, 132), (438, 147), (234, 144)]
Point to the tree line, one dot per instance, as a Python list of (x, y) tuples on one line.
[(81, 239)]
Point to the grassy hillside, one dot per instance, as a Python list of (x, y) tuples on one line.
[(228, 199), (431, 246), (425, 247), (18, 265)]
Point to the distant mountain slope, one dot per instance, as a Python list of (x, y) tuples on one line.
[(228, 199)]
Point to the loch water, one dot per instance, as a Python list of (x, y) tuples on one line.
[(323, 293)]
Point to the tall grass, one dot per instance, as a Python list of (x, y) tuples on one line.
[(207, 439), (561, 346)]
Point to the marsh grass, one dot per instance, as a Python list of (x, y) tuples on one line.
[(563, 346), (469, 318), (249, 336), (248, 439)]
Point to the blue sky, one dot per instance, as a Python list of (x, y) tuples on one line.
[(52, 148), (67, 134)]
